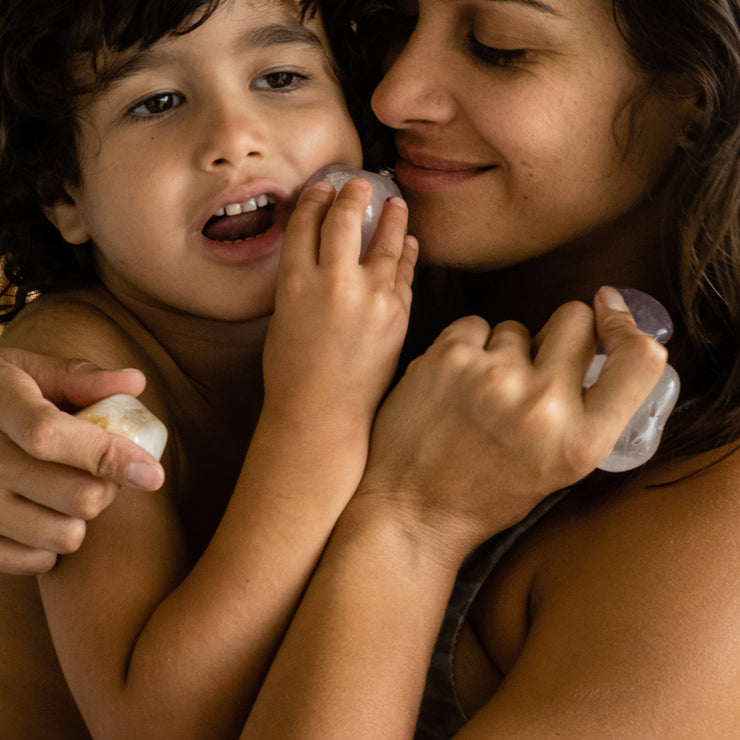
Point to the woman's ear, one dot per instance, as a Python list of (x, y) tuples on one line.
[(62, 210), (694, 121)]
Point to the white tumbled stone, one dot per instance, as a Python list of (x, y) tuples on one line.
[(125, 415)]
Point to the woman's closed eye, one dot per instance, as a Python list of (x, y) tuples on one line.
[(281, 80), (493, 56), (156, 105)]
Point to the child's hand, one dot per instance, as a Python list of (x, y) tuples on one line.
[(339, 324), (487, 423)]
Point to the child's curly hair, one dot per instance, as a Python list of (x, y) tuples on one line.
[(40, 96)]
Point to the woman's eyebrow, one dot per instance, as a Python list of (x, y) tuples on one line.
[(535, 4)]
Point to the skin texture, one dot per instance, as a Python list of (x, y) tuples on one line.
[(616, 615), (508, 410), (165, 619)]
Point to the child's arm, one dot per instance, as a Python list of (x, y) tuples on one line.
[(151, 648), (67, 471), (475, 434)]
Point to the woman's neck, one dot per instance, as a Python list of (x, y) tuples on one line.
[(626, 253)]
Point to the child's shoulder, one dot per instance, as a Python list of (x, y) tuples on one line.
[(86, 322)]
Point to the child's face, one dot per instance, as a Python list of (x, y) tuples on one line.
[(239, 111)]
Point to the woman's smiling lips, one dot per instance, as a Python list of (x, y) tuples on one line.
[(418, 171)]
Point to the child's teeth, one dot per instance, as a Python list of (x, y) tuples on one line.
[(234, 209)]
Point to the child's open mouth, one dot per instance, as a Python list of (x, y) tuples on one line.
[(237, 222)]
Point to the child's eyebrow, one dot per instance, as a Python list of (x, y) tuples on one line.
[(276, 34)]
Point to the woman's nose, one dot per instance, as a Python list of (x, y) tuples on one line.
[(230, 133), (414, 88)]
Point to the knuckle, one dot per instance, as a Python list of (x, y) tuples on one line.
[(293, 285), (41, 562), (69, 536), (507, 381), (385, 249), (76, 365), (577, 315), (39, 434), (649, 356), (456, 356), (346, 211), (90, 498)]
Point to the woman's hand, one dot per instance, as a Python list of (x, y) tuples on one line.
[(56, 471), (488, 422), (339, 323)]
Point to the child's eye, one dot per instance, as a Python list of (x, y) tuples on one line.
[(156, 105), (495, 57), (281, 81)]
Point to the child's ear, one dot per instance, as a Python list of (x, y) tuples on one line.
[(62, 210)]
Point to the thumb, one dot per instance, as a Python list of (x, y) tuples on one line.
[(634, 361)]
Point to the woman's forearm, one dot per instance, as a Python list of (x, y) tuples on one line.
[(354, 661)]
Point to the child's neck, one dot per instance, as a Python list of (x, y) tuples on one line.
[(222, 358)]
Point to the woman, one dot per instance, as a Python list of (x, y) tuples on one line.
[(563, 141)]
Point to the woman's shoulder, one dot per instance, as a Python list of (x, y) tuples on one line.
[(635, 584)]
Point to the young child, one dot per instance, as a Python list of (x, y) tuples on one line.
[(157, 152)]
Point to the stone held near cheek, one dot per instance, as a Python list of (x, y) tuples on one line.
[(383, 188), (640, 438), (125, 415)]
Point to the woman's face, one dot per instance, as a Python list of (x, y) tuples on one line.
[(515, 132)]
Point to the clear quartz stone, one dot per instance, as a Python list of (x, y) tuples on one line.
[(640, 439), (383, 188)]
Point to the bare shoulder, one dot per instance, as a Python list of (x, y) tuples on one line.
[(624, 609), (85, 323)]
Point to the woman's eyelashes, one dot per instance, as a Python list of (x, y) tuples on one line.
[(493, 56)]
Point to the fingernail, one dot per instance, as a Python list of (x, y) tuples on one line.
[(144, 476), (396, 201), (613, 298)]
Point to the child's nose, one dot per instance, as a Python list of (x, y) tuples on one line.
[(230, 133)]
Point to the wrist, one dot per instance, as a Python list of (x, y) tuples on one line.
[(423, 538)]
